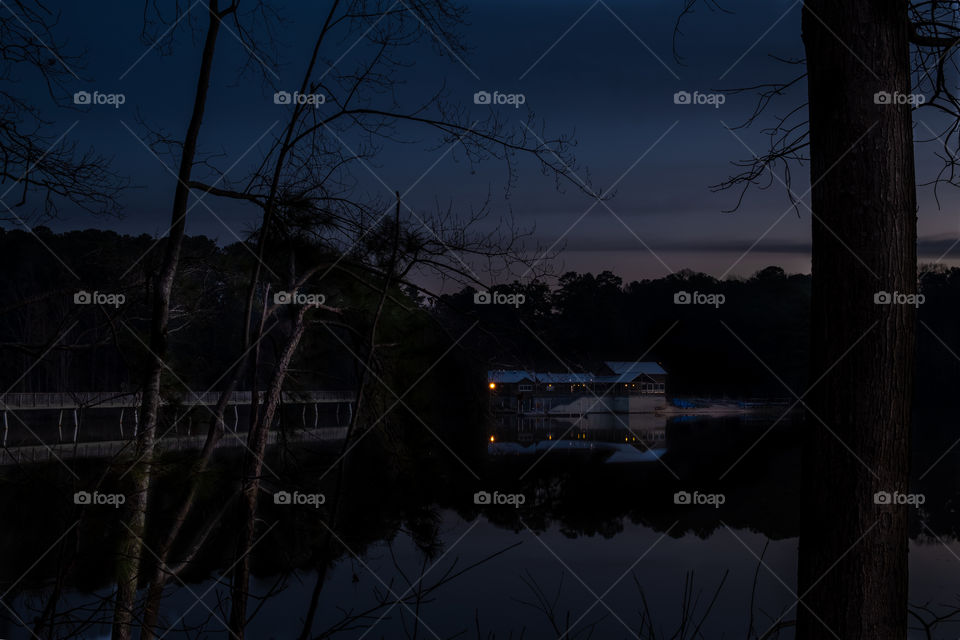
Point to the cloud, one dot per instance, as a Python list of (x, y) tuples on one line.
[(931, 246)]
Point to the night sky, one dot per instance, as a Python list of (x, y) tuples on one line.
[(603, 71)]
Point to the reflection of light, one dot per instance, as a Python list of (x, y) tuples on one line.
[(493, 385)]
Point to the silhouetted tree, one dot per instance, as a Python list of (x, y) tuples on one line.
[(36, 157), (852, 574), (852, 567)]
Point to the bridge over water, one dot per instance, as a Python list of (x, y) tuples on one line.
[(119, 399), (41, 420)]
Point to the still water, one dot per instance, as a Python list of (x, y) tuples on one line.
[(595, 550)]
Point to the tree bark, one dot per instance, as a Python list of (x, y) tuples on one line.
[(852, 568), (252, 470), (131, 542), (163, 573)]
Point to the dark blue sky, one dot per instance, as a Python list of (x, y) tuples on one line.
[(602, 70)]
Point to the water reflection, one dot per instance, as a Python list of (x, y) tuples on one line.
[(642, 428), (396, 541)]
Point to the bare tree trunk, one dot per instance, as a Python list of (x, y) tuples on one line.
[(155, 591), (852, 572), (252, 468), (131, 543), (162, 574)]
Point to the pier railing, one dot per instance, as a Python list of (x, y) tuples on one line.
[(118, 399)]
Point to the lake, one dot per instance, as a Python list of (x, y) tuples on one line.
[(595, 548)]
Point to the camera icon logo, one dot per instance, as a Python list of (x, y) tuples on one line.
[(482, 297), (882, 97), (82, 297), (282, 297), (282, 97), (82, 497), (682, 497), (482, 97), (282, 497), (682, 97), (682, 297), (82, 97), (482, 497), (881, 297)]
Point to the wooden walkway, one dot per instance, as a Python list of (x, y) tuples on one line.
[(37, 454), (118, 399)]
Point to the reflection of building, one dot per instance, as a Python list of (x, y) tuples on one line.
[(619, 388)]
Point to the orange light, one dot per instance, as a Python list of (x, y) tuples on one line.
[(491, 438), (493, 385)]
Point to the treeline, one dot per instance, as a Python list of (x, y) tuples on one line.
[(740, 337), (50, 342), (588, 318)]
